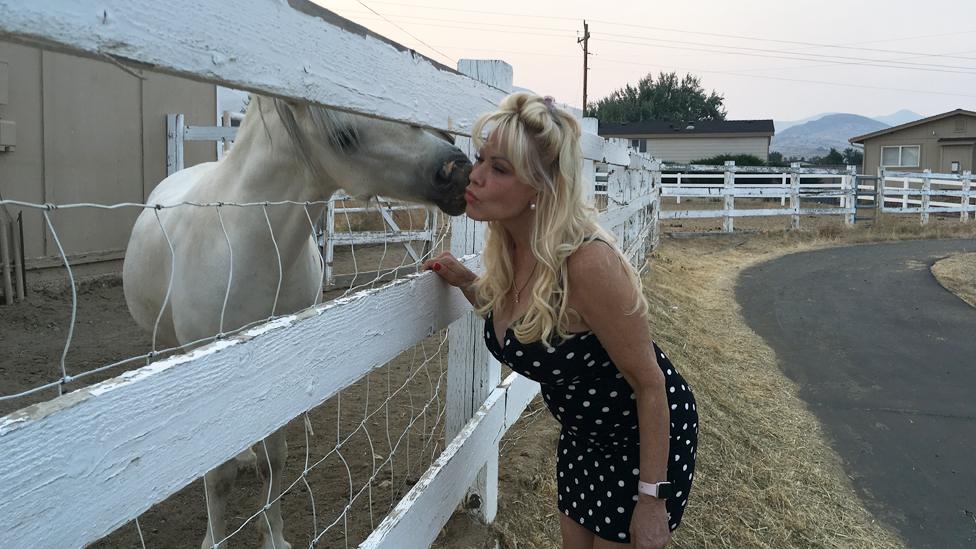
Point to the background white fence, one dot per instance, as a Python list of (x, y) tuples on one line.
[(925, 193), (795, 184)]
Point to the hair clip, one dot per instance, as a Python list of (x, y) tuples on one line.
[(550, 102)]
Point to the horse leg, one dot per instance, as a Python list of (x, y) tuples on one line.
[(247, 460), (271, 463), (218, 482)]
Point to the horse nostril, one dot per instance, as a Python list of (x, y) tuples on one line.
[(446, 170), (454, 171)]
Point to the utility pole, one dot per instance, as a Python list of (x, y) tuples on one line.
[(586, 53)]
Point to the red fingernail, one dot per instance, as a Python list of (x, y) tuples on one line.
[(437, 266)]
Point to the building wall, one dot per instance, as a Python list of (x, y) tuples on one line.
[(87, 131), (933, 156), (686, 149)]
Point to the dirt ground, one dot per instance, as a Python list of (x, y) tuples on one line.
[(404, 433)]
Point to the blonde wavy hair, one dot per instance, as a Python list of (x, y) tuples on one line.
[(543, 144)]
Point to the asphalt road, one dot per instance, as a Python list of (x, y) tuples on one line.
[(886, 359)]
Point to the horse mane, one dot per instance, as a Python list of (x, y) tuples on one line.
[(338, 128)]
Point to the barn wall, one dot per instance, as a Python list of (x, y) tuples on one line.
[(88, 131)]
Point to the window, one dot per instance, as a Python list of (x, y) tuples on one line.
[(960, 124), (639, 145), (955, 166), (903, 156)]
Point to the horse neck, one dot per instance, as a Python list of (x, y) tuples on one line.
[(264, 165)]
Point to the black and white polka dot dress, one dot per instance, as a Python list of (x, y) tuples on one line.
[(598, 464)]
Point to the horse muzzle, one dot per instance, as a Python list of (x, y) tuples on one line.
[(450, 181)]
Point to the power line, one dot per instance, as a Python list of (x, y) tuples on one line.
[(703, 33), (863, 63), (823, 82), (808, 57), (696, 70), (453, 61)]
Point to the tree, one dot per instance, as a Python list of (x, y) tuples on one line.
[(776, 159), (853, 157), (832, 158), (669, 98)]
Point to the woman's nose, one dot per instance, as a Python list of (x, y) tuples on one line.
[(477, 174)]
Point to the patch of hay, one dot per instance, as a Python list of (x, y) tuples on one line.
[(957, 274), (766, 478)]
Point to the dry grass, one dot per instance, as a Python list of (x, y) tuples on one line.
[(766, 477), (958, 275)]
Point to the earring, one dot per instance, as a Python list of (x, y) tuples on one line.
[(532, 205)]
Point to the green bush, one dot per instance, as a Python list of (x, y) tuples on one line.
[(740, 160)]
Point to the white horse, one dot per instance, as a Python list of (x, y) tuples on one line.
[(283, 151)]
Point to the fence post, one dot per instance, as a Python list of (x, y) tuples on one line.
[(471, 372), (6, 263), (850, 180), (655, 232), (678, 188), (728, 192), (795, 194), (879, 194), (926, 189), (329, 243), (174, 144), (782, 199), (967, 182), (904, 196)]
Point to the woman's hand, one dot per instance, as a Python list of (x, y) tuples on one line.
[(450, 269), (649, 525)]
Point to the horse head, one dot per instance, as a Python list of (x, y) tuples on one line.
[(369, 157)]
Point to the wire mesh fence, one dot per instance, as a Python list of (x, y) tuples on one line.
[(351, 458)]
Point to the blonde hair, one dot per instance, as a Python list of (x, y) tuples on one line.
[(543, 144)]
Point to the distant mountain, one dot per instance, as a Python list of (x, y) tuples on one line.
[(892, 119), (899, 117), (782, 125), (815, 138)]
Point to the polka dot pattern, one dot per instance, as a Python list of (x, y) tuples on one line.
[(598, 455)]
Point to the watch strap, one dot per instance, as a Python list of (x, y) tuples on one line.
[(660, 490)]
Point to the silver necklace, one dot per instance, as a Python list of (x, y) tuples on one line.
[(518, 291)]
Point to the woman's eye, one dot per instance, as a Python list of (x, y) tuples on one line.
[(498, 168)]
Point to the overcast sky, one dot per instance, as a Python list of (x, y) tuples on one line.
[(780, 59)]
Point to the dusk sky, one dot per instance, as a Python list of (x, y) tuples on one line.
[(777, 59)]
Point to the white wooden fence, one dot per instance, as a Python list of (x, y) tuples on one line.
[(75, 468), (697, 181), (925, 193)]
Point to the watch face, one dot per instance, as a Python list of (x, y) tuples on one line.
[(665, 490)]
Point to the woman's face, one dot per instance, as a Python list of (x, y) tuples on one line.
[(494, 192)]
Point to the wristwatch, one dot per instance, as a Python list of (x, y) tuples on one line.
[(660, 490)]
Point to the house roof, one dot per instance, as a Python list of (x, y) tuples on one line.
[(671, 127), (906, 125)]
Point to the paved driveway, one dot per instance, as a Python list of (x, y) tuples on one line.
[(886, 359)]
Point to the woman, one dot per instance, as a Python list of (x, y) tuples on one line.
[(563, 306)]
